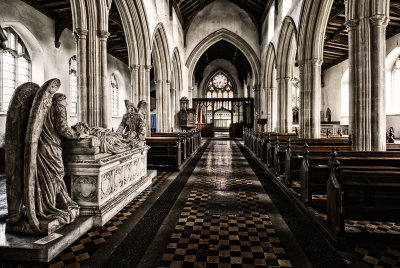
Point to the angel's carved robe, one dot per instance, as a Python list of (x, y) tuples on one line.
[(52, 200)]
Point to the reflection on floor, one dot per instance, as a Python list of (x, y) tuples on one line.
[(225, 214), (223, 220)]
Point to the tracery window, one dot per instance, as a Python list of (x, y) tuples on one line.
[(114, 95), (220, 87), (296, 100), (15, 67), (73, 84), (395, 92)]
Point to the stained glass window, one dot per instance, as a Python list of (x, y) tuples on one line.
[(220, 87), (296, 100), (220, 81), (15, 67), (114, 95), (73, 84)]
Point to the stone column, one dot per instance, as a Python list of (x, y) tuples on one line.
[(172, 107), (81, 39), (135, 78), (159, 105), (367, 48), (166, 106), (190, 96), (104, 103), (274, 105), (263, 104), (257, 106), (285, 113), (271, 108), (145, 94), (310, 98)]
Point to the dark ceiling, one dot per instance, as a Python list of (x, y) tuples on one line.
[(336, 38), (60, 12), (187, 9), (227, 51)]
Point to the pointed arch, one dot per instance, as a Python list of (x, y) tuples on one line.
[(135, 24), (287, 49), (162, 73), (270, 89), (270, 67), (176, 86), (236, 40), (286, 58), (160, 43), (177, 67), (212, 74)]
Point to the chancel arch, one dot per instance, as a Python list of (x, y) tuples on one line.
[(286, 59), (162, 73), (226, 35)]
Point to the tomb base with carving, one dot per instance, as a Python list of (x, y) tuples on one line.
[(103, 186)]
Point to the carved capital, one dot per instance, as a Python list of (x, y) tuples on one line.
[(103, 34), (313, 62), (379, 21), (148, 68), (351, 24), (134, 67), (80, 33)]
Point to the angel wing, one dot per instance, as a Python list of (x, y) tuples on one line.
[(16, 124), (39, 110), (142, 108)]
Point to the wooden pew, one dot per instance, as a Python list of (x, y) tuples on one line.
[(294, 157), (164, 153), (281, 147), (314, 171), (185, 141), (392, 146), (361, 195), (172, 150)]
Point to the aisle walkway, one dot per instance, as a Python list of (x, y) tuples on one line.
[(222, 217)]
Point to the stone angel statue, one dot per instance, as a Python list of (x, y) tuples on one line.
[(38, 201), (133, 124)]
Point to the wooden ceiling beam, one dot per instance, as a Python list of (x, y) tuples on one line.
[(327, 66), (336, 34), (41, 9)]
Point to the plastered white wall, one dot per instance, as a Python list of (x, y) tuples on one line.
[(222, 14)]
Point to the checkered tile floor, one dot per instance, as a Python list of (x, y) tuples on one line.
[(237, 235), (373, 256), (81, 250)]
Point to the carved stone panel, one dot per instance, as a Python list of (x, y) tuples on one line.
[(85, 188), (106, 184)]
